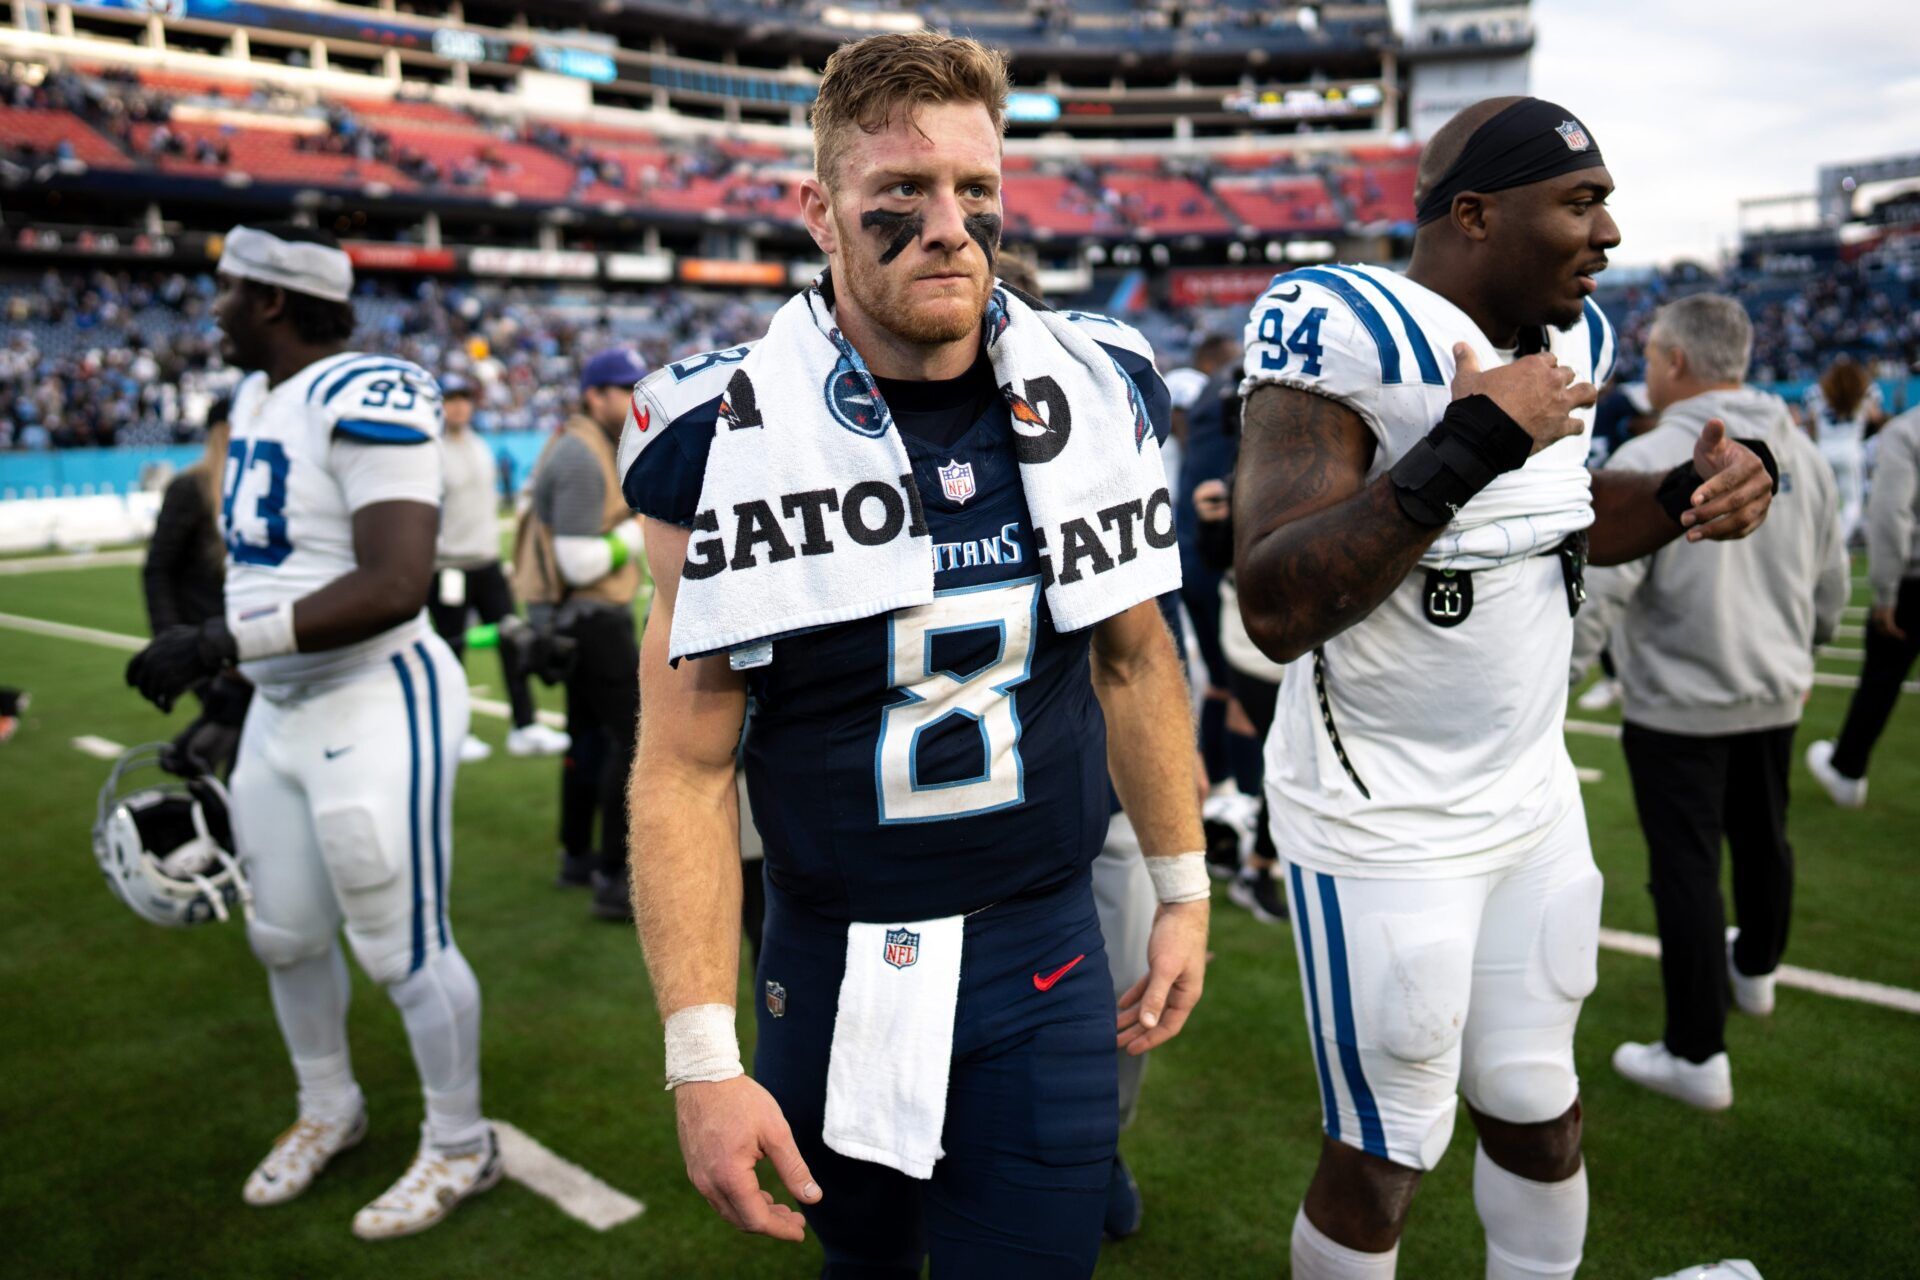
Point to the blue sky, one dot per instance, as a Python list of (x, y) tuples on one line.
[(1698, 104)]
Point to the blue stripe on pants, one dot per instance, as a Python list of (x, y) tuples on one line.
[(1372, 1137), (413, 813), (439, 771), (1327, 1101)]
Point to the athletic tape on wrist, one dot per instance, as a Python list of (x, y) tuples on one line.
[(1466, 449), (701, 1045), (1180, 878), (266, 632)]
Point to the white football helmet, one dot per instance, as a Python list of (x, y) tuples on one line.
[(165, 844)]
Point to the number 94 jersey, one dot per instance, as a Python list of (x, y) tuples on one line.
[(344, 432), (1383, 345)]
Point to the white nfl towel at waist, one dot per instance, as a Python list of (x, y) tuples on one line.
[(893, 1043), (803, 431)]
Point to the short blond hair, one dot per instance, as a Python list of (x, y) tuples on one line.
[(868, 81)]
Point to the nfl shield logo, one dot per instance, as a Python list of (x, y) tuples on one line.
[(1572, 134), (956, 481), (776, 1000), (903, 947)]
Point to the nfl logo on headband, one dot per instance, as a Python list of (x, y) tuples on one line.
[(1573, 135)]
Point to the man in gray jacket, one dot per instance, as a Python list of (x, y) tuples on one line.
[(1893, 625), (1714, 645)]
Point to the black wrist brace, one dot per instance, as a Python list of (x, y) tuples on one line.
[(1472, 444), (1675, 494)]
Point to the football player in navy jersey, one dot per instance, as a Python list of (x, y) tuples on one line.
[(873, 800)]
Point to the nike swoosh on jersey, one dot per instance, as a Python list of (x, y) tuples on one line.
[(1046, 983), (1288, 297), (331, 752)]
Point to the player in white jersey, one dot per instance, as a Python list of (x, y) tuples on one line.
[(1411, 510), (343, 793), (1840, 411)]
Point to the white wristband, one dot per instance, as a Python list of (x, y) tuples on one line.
[(265, 632), (702, 1046), (1181, 877)]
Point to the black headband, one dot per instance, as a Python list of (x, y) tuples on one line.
[(1528, 142)]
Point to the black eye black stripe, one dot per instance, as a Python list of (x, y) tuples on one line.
[(906, 228)]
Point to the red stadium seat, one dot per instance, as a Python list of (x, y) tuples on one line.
[(46, 130)]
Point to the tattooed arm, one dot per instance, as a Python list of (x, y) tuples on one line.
[(1316, 548)]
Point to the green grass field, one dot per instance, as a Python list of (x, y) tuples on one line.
[(144, 1076)]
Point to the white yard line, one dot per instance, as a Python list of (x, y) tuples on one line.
[(73, 560), (1589, 775), (1828, 680), (1790, 975), (1849, 633), (1593, 728), (98, 748), (62, 631), (1840, 653), (578, 1193), (501, 711)]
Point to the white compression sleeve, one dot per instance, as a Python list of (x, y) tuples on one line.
[(1535, 1230), (310, 1000), (1316, 1257), (440, 1004)]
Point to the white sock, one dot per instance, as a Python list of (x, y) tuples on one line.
[(1535, 1230), (440, 1004), (310, 1000), (1316, 1257)]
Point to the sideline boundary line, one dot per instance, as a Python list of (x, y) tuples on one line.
[(578, 1193), (1859, 990)]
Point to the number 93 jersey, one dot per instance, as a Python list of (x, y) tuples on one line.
[(343, 433)]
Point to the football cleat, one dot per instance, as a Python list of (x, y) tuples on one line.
[(537, 740), (1707, 1085), (1730, 1269), (612, 897), (1848, 793), (436, 1181), (1605, 693), (473, 750), (1256, 890), (1231, 823), (299, 1155), (1752, 992)]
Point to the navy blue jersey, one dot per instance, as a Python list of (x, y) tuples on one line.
[(935, 759)]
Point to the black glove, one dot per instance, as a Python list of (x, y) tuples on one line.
[(180, 658), (205, 746)]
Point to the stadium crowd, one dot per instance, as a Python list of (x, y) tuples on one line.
[(111, 358), (120, 359)]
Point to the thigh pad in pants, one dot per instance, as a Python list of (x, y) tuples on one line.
[(367, 862), (1536, 962), (1389, 965)]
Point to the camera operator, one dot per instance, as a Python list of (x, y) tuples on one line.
[(576, 562)]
